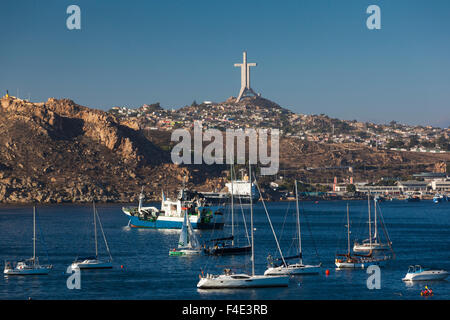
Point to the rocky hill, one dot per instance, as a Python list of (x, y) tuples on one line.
[(59, 151)]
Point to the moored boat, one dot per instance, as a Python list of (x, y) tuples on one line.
[(230, 280), (418, 273), (29, 266), (294, 268), (94, 262), (171, 214), (188, 243)]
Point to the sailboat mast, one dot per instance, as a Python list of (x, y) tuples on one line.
[(298, 224), (348, 233), (251, 217), (95, 231), (232, 204), (370, 223), (375, 219), (34, 235)]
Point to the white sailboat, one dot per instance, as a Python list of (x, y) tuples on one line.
[(230, 280), (227, 245), (30, 266), (347, 260), (374, 243), (94, 262), (294, 268), (188, 243)]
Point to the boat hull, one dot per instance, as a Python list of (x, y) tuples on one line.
[(229, 282), (27, 272), (374, 247), (185, 252), (294, 269), (426, 275), (92, 265), (221, 251), (359, 265), (175, 223)]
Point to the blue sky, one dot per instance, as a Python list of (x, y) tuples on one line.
[(313, 56)]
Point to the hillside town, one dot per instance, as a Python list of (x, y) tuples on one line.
[(317, 128)]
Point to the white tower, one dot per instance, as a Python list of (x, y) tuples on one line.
[(245, 77)]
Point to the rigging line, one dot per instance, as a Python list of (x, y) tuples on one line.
[(385, 231), (310, 232), (104, 237), (270, 223), (43, 240), (339, 237), (243, 217)]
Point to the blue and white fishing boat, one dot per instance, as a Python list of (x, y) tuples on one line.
[(171, 214)]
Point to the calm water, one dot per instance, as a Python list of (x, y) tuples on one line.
[(420, 233)]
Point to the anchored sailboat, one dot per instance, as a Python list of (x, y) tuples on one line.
[(230, 280), (227, 245), (347, 260), (188, 243), (94, 262), (29, 266), (373, 243), (295, 268)]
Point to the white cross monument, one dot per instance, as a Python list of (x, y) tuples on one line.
[(245, 77)]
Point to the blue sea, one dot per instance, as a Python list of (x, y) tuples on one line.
[(420, 233)]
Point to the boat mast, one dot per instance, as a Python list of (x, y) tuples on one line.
[(34, 235), (298, 225), (232, 204), (370, 224), (348, 233), (95, 231), (375, 219), (251, 217)]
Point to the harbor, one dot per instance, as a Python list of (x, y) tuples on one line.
[(142, 268)]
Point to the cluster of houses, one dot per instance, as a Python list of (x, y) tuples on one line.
[(426, 183), (317, 128)]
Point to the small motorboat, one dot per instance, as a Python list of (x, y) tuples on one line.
[(417, 273)]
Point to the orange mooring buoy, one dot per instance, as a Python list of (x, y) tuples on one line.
[(327, 272)]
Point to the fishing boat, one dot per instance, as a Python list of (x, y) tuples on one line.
[(293, 268), (188, 243), (374, 243), (29, 266), (353, 261), (229, 280), (171, 214), (228, 245), (94, 262), (417, 273)]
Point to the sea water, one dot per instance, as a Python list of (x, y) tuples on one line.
[(143, 269)]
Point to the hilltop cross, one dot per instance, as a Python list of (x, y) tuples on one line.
[(245, 77)]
